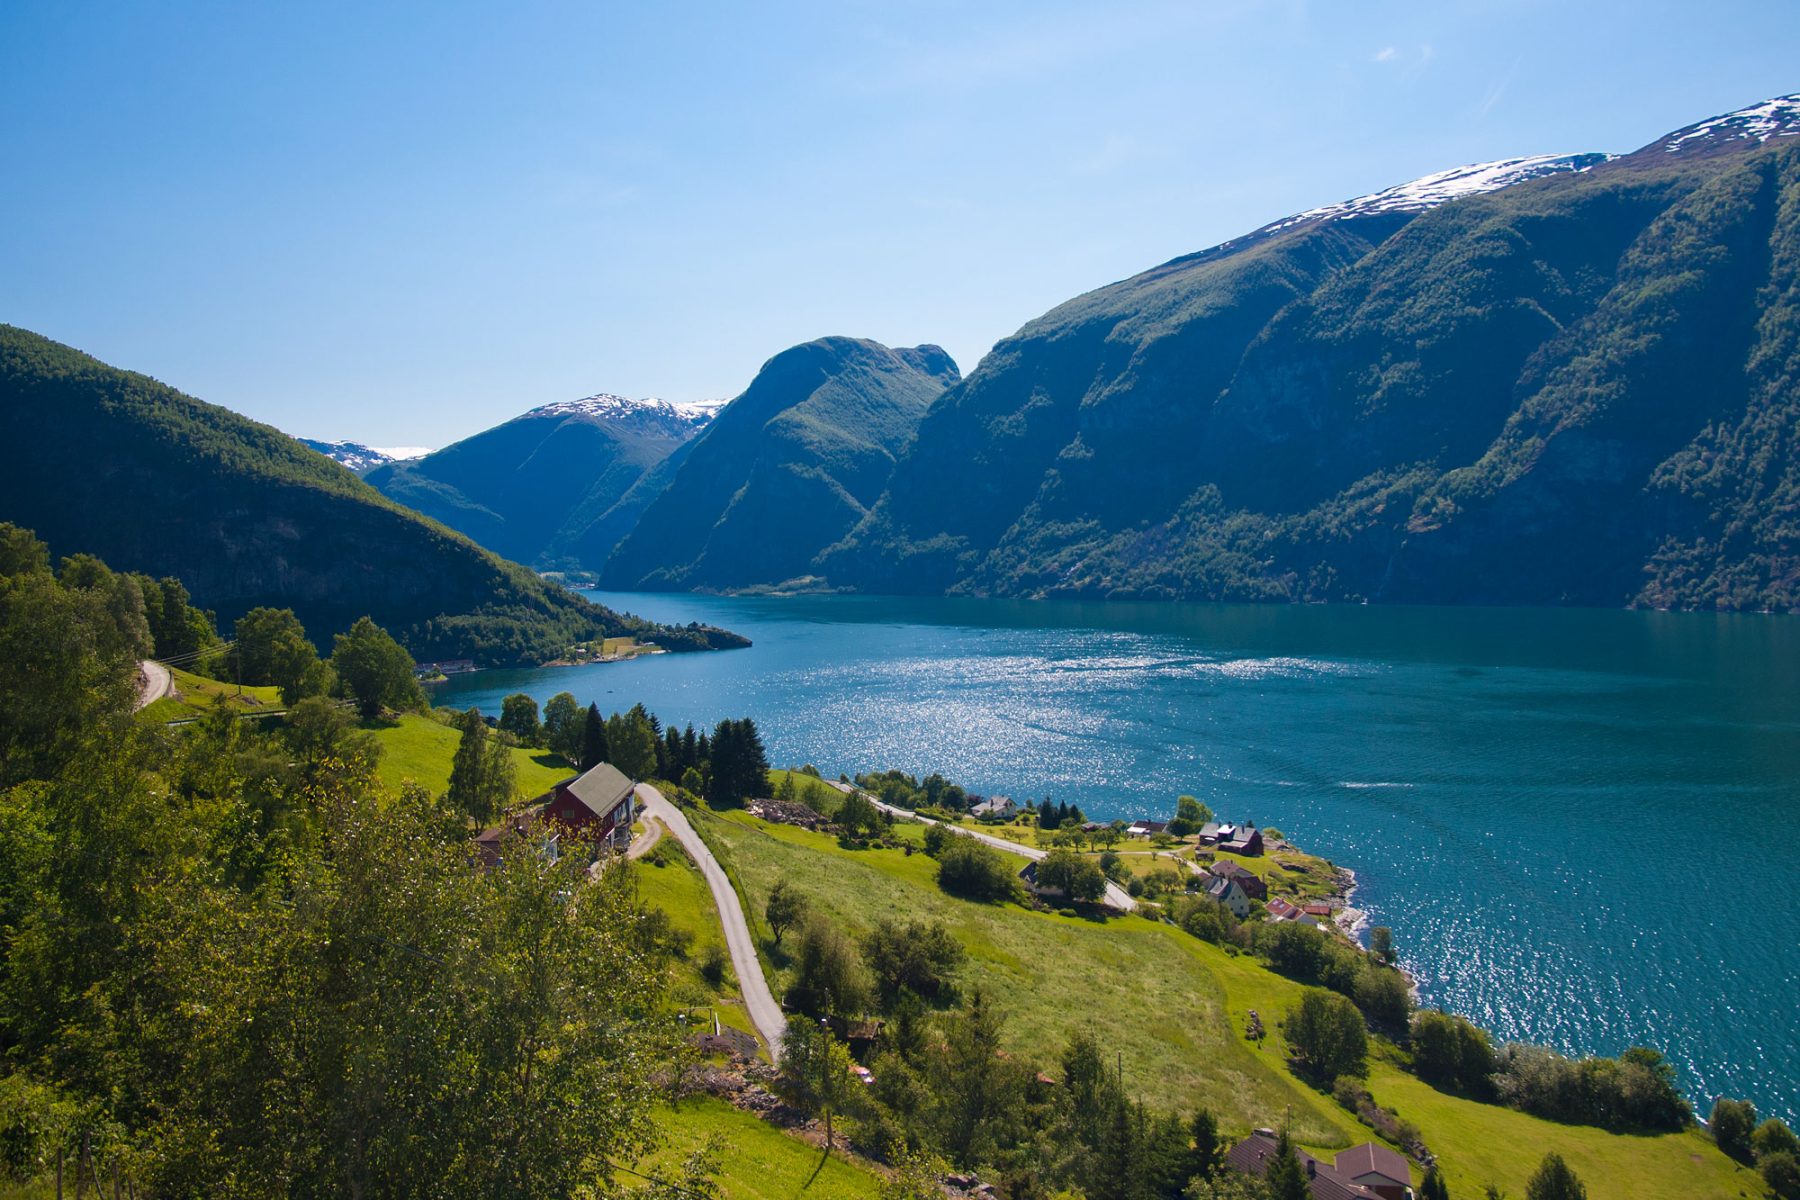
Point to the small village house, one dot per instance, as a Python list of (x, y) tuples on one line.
[(994, 808), (1244, 839), (1249, 880), (1341, 1179), (1229, 892), (1283, 910), (595, 806), (1147, 828)]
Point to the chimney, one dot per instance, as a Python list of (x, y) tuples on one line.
[(1312, 1167)]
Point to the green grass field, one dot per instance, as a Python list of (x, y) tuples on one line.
[(758, 1161), (1127, 981), (418, 748), (673, 884), (1175, 1009), (194, 694)]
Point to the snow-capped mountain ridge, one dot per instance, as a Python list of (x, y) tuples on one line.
[(1429, 191), (361, 458), (609, 407), (1773, 118)]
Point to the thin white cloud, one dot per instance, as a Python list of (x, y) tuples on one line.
[(1386, 54)]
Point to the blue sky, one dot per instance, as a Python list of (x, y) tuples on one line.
[(404, 223)]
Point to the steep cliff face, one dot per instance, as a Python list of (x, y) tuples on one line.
[(152, 480), (785, 469), (1568, 383)]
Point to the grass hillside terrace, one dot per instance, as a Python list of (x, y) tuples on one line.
[(1174, 1009)]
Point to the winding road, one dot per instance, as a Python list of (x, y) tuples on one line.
[(1116, 896), (154, 682), (759, 1002)]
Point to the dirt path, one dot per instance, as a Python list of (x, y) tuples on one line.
[(759, 1001)]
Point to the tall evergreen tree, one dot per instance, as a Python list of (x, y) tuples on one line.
[(1433, 1187), (1286, 1178), (1207, 1155), (594, 750), (1554, 1181)]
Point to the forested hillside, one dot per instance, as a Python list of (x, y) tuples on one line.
[(785, 470), (1577, 389), (114, 463)]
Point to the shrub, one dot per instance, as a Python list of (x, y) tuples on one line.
[(1076, 877), (1384, 997), (1731, 1125), (828, 976), (919, 956), (1326, 1034), (1774, 1137), (1449, 1052), (1781, 1171), (1554, 1181), (713, 962), (1634, 1091), (976, 871)]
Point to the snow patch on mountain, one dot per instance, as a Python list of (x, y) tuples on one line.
[(360, 458), (1778, 117), (608, 407), (1429, 191)]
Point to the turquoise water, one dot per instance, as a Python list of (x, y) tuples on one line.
[(1583, 826)]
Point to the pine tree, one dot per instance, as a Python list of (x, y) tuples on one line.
[(593, 741), (1554, 1181), (1434, 1187), (1286, 1178), (1205, 1158)]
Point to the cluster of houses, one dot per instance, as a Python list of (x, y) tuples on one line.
[(1365, 1172), (594, 808), (450, 666)]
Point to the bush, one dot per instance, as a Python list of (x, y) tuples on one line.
[(1774, 1137), (713, 962), (1554, 1181), (1384, 997), (1076, 877), (1634, 1091), (828, 976), (917, 957), (976, 871), (1326, 1034), (1731, 1125), (1449, 1052), (1781, 1171)]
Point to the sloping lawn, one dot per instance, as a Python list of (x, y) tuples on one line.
[(194, 694), (1478, 1144), (757, 1160), (418, 748), (1126, 981), (673, 884)]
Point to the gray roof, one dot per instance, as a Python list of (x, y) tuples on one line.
[(601, 789)]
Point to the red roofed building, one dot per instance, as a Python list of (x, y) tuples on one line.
[(595, 806), (1384, 1172), (1255, 1153), (1281, 910)]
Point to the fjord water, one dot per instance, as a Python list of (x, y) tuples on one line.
[(1583, 826)]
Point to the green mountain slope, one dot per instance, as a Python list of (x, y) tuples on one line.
[(785, 470), (543, 477), (1579, 388), (116, 464)]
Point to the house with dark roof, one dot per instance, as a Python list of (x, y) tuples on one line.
[(1249, 880), (595, 806), (1377, 1168), (1255, 1153), (1209, 833), (1243, 839), (1147, 828), (1228, 892)]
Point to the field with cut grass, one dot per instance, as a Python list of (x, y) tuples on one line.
[(1174, 1008), (418, 748), (194, 694), (757, 1160)]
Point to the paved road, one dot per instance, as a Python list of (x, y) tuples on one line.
[(1116, 896), (154, 682), (759, 1002)]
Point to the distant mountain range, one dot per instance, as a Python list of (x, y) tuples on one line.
[(537, 485), (786, 470), (119, 465), (1569, 380), (1561, 379), (360, 458)]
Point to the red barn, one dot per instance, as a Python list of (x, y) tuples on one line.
[(594, 806)]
